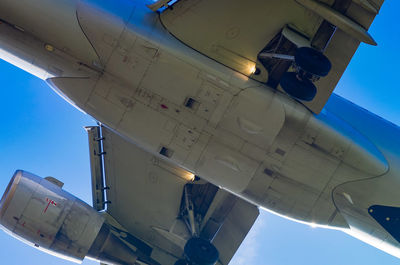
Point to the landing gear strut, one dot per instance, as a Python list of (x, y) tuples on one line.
[(309, 65), (198, 250)]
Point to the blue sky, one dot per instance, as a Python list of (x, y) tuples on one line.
[(43, 134)]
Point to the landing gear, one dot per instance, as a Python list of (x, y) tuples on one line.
[(309, 65), (312, 61), (199, 251), (302, 89), (181, 262)]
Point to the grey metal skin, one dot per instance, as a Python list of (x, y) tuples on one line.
[(43, 215), (119, 64), (40, 212)]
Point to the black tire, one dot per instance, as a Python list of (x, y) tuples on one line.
[(181, 262), (303, 90), (201, 252), (312, 61)]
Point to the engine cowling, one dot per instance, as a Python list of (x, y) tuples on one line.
[(43, 215)]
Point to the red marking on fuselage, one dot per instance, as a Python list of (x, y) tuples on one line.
[(48, 204)]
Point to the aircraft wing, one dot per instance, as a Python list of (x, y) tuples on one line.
[(236, 32), (145, 200)]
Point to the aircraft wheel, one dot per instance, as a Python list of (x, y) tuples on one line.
[(302, 89), (201, 252), (181, 262), (312, 61)]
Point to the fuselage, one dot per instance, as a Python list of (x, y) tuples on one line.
[(116, 62)]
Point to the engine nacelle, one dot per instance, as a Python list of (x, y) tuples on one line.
[(43, 215)]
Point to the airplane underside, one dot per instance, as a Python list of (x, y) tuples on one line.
[(119, 64)]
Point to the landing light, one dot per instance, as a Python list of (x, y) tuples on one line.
[(189, 176), (177, 171), (252, 68)]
